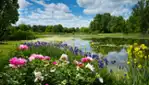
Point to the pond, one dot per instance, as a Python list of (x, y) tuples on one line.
[(114, 49), (104, 45)]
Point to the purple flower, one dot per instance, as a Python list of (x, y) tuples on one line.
[(95, 56), (106, 61), (101, 64)]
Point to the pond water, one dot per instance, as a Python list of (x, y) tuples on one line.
[(104, 45), (114, 49)]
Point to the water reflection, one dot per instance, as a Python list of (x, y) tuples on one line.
[(83, 45), (114, 49)]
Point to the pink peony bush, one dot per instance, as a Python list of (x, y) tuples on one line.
[(38, 56), (17, 62), (23, 47)]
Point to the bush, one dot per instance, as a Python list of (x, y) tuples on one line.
[(22, 35)]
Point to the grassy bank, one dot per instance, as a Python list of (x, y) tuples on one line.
[(102, 35)]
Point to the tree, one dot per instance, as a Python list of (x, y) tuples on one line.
[(140, 15), (8, 15), (116, 24), (57, 28), (84, 29), (24, 27), (49, 28)]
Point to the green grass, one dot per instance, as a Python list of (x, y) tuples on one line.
[(101, 35), (5, 50)]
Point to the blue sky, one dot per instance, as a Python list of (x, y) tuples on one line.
[(70, 13)]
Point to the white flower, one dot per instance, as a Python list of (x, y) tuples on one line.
[(38, 76), (52, 69), (78, 68), (101, 80), (64, 57), (89, 66)]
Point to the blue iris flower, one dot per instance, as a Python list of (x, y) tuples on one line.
[(101, 64)]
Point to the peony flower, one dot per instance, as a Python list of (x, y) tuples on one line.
[(46, 58), (86, 59), (46, 84), (38, 76), (64, 57), (17, 62), (89, 66), (41, 57), (38, 56), (52, 69), (23, 47), (101, 80), (89, 59), (12, 66), (54, 63)]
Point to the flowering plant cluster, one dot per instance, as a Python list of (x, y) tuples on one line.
[(138, 64), (44, 70), (17, 62), (137, 55)]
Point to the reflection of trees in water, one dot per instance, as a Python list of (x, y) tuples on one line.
[(104, 45), (120, 41), (104, 49)]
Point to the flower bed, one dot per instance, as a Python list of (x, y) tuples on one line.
[(42, 63)]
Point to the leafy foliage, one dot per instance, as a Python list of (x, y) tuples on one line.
[(8, 15)]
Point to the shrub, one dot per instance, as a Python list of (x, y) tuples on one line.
[(22, 35)]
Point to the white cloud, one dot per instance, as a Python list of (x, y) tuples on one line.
[(115, 7), (53, 14), (23, 3)]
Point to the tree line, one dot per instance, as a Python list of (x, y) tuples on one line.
[(48, 29), (138, 22)]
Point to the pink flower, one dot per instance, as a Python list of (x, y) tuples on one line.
[(17, 62), (54, 63), (46, 84), (38, 56), (31, 58), (89, 59), (23, 47), (41, 57), (86, 59), (12, 66), (46, 58)]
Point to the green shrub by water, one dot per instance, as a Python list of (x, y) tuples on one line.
[(22, 35)]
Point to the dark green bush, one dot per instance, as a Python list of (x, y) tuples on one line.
[(22, 35)]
